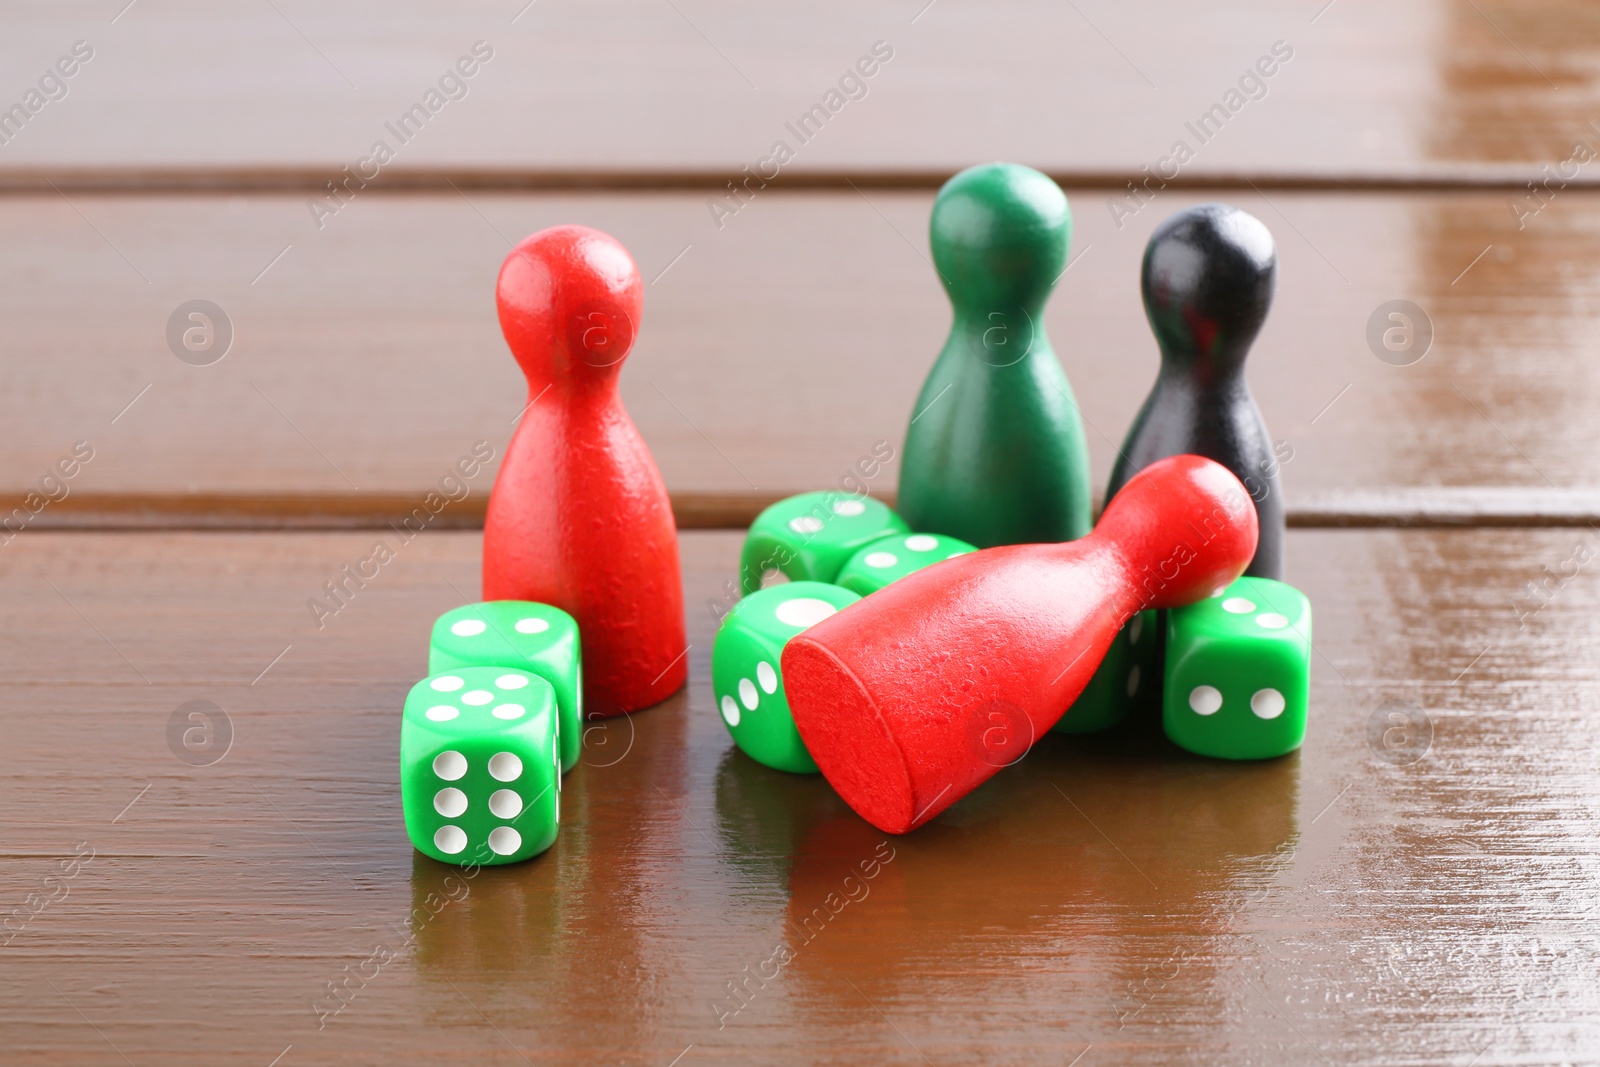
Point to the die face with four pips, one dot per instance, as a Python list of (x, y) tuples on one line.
[(1238, 670), (1128, 679), (888, 559), (745, 671), (810, 537), (537, 638), (480, 777)]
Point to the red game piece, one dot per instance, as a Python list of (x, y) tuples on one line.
[(579, 517), (911, 698)]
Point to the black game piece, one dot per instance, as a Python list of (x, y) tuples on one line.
[(1207, 282)]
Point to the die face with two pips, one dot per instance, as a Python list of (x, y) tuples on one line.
[(1128, 679), (746, 676), (537, 638), (888, 559), (480, 773), (1238, 670), (811, 536)]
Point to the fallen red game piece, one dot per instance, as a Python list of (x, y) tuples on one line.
[(579, 517), (911, 698)]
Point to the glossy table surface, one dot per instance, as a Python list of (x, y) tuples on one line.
[(1420, 884)]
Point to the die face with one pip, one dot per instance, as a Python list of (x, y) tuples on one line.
[(810, 537), (480, 774), (891, 558), (1238, 671), (745, 672), (1127, 679), (533, 637)]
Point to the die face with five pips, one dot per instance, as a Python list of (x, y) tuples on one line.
[(480, 774), (810, 537), (888, 559), (745, 672), (528, 636), (1238, 669)]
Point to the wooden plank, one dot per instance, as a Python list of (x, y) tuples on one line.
[(1108, 892), (1407, 92), (775, 352)]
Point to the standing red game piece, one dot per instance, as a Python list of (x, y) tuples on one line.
[(910, 699), (579, 517)]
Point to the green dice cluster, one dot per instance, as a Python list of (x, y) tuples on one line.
[(1238, 671), (834, 548), (485, 738), (1228, 676)]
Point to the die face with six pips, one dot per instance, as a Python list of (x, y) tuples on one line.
[(479, 765), (1238, 671)]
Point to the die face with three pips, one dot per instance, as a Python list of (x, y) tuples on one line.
[(480, 776), (810, 537), (745, 674), (1238, 668), (537, 638)]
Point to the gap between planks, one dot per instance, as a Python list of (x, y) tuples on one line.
[(1423, 508), (312, 178)]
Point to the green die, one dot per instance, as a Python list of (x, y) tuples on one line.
[(888, 559), (808, 538), (1239, 671), (480, 777), (522, 634), (1128, 678), (745, 664)]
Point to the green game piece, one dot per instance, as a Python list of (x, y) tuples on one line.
[(808, 538), (891, 558), (1239, 671), (995, 452), (522, 634), (745, 662), (480, 774), (1128, 679)]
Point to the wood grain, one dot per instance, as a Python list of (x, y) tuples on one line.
[(1402, 91), (774, 352), (1108, 892), (1108, 899)]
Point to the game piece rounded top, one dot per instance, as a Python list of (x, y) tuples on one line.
[(1000, 234), (1207, 281), (1205, 504), (570, 300)]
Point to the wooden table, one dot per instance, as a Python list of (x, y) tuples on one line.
[(1419, 885)]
